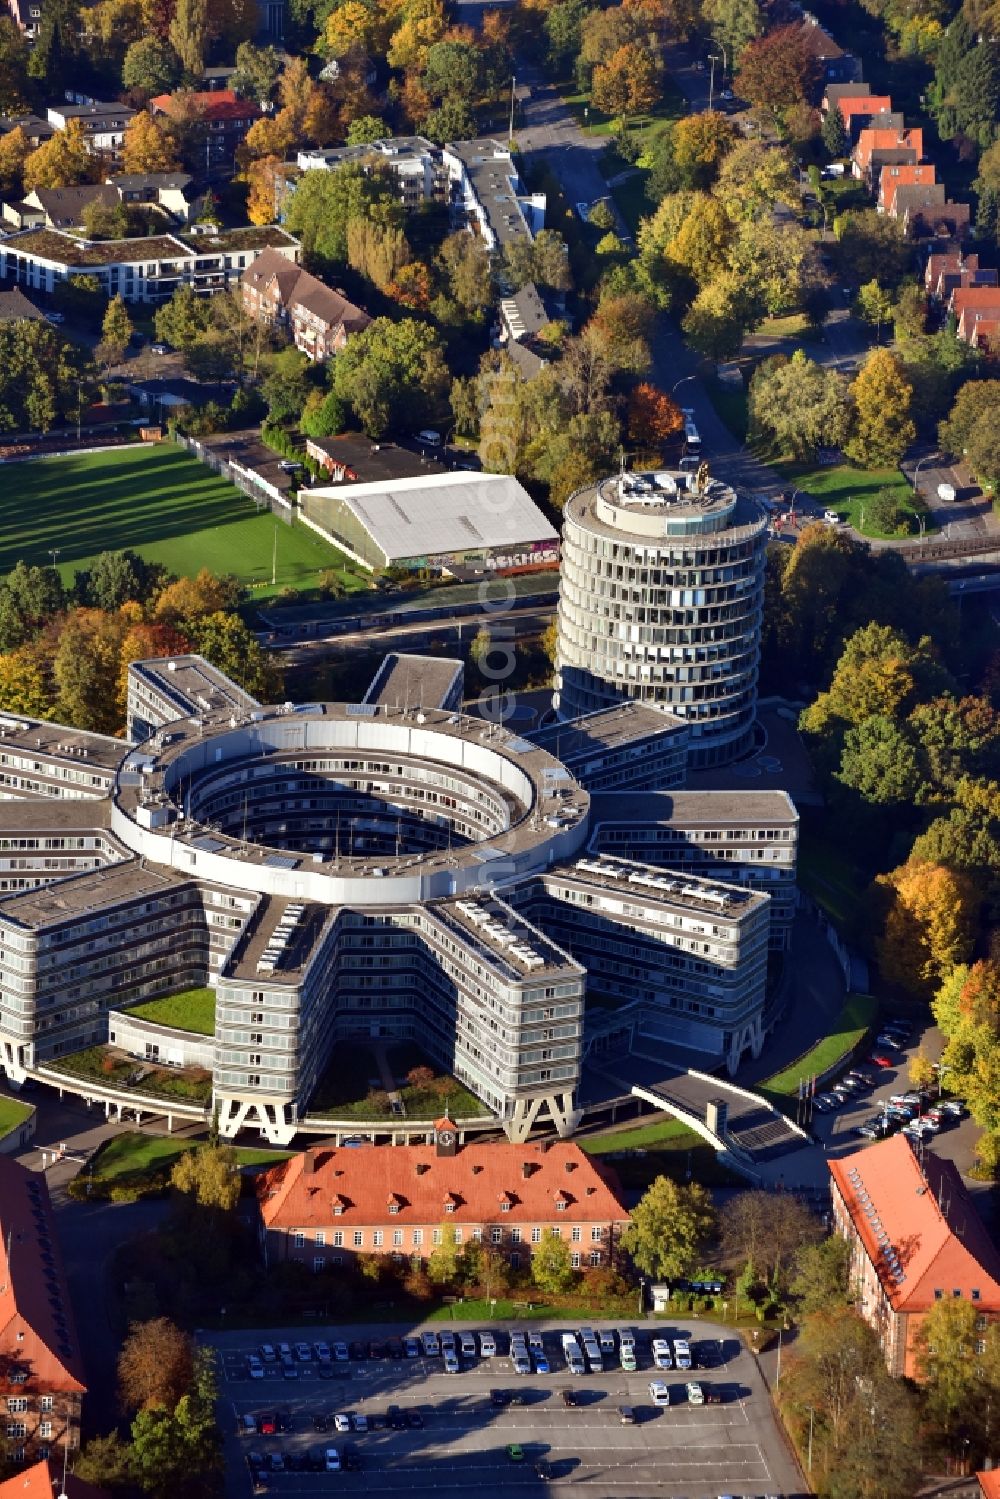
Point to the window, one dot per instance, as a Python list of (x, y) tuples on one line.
[(957, 1295), (359, 1238), (46, 1403), (536, 1236), (980, 1324), (515, 1261), (976, 1295), (595, 1258), (556, 1232), (458, 1236), (397, 1237), (496, 1235), (980, 1345), (477, 1235), (418, 1237), (561, 1206), (338, 1259), (938, 1294), (449, 1207), (597, 1235), (318, 1263), (19, 1404), (505, 1207), (574, 1259), (377, 1238), (298, 1238), (394, 1207), (16, 1429), (320, 1238), (515, 1235), (576, 1234), (338, 1238), (435, 1236)]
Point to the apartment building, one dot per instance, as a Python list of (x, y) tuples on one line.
[(163, 688), (320, 320), (325, 1207), (415, 165), (222, 121), (915, 1239), (103, 125), (146, 270), (660, 601), (487, 190), (41, 1364)]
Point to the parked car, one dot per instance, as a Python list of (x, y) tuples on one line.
[(267, 1424), (255, 1367), (432, 1346), (542, 1365), (884, 1039), (467, 1344), (341, 1422), (323, 1351), (879, 1059), (289, 1368), (452, 1366), (682, 1353), (626, 1415), (397, 1419), (659, 1393), (662, 1357), (357, 1349), (268, 1353), (954, 1107), (332, 1460), (395, 1347), (864, 1078), (340, 1353), (695, 1394), (487, 1345), (411, 1347), (321, 1422), (414, 1420)]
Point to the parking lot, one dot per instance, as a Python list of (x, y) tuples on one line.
[(464, 1425)]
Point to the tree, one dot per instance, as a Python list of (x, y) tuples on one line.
[(116, 331), (189, 34), (718, 318), (880, 763), (779, 70), (15, 148), (367, 128), (928, 925), (834, 132), (37, 376), (183, 320), (874, 305), (872, 247), (753, 177), (670, 1226), (465, 262), (189, 599), (180, 1451), (628, 83), (921, 1070), (324, 203), (323, 415), (155, 1366), (148, 146), (62, 161), (230, 645), (150, 67), (13, 67), (377, 251), (699, 248), (653, 417), (103, 220), (118, 578), (799, 404), (257, 72), (210, 1174), (24, 686), (392, 374), (820, 1279), (766, 1231), (443, 1261), (551, 1264), (957, 1378), (105, 1462), (882, 397), (734, 23), (971, 423), (700, 142), (909, 315), (29, 598), (879, 671)]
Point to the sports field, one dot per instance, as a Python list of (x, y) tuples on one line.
[(163, 504)]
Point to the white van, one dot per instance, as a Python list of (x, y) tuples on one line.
[(692, 437), (487, 1345)]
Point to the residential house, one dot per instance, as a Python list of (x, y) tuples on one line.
[(26, 15), (57, 207), (915, 1239), (142, 270), (15, 307), (975, 308), (834, 92), (523, 315), (351, 458), (892, 177), (37, 130), (45, 1480), (224, 119), (325, 1207), (415, 163), (875, 149), (169, 191), (947, 270), (926, 213), (103, 125), (319, 318), (489, 195), (858, 110), (838, 66), (41, 1364)]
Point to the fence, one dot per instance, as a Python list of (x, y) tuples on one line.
[(264, 494)]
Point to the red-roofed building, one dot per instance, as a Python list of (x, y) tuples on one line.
[(972, 305), (41, 1366), (915, 1239), (877, 148), (948, 270), (326, 1206), (224, 119), (989, 1484), (859, 109), (44, 1481), (902, 176), (319, 319)]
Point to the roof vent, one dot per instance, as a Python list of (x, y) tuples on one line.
[(421, 1167)]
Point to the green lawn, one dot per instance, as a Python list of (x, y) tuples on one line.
[(856, 1017), (133, 1153), (845, 490), (730, 402), (13, 1113), (162, 503), (659, 1134), (594, 122), (343, 1090), (101, 1064), (191, 1010), (832, 879)]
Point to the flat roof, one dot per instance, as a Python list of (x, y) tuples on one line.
[(90, 891), (621, 724), (694, 808), (193, 685), (682, 892), (58, 814), (55, 741), (440, 513), (405, 681), (368, 462), (66, 249), (492, 173), (502, 935), (279, 944)]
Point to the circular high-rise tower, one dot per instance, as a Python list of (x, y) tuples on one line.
[(660, 599)]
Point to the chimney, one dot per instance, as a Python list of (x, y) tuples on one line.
[(309, 1164), (570, 1166), (528, 1168), (421, 1167)]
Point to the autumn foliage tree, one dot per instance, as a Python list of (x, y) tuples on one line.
[(155, 1366), (628, 83), (148, 146), (779, 70), (62, 161), (883, 397), (929, 914), (653, 417)]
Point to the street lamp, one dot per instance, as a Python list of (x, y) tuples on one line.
[(682, 381), (642, 1297), (809, 1458), (916, 471)]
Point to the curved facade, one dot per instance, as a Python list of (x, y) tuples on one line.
[(660, 599)]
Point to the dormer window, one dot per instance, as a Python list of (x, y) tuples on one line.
[(505, 1207), (560, 1205), (338, 1209), (449, 1207), (394, 1207)]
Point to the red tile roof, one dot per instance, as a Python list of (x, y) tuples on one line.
[(215, 104), (933, 1230), (903, 175), (863, 104), (989, 1484), (477, 1179), (44, 1480), (871, 140), (975, 299), (36, 1318), (297, 288)]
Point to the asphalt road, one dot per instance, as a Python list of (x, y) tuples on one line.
[(525, 621), (463, 1442)]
